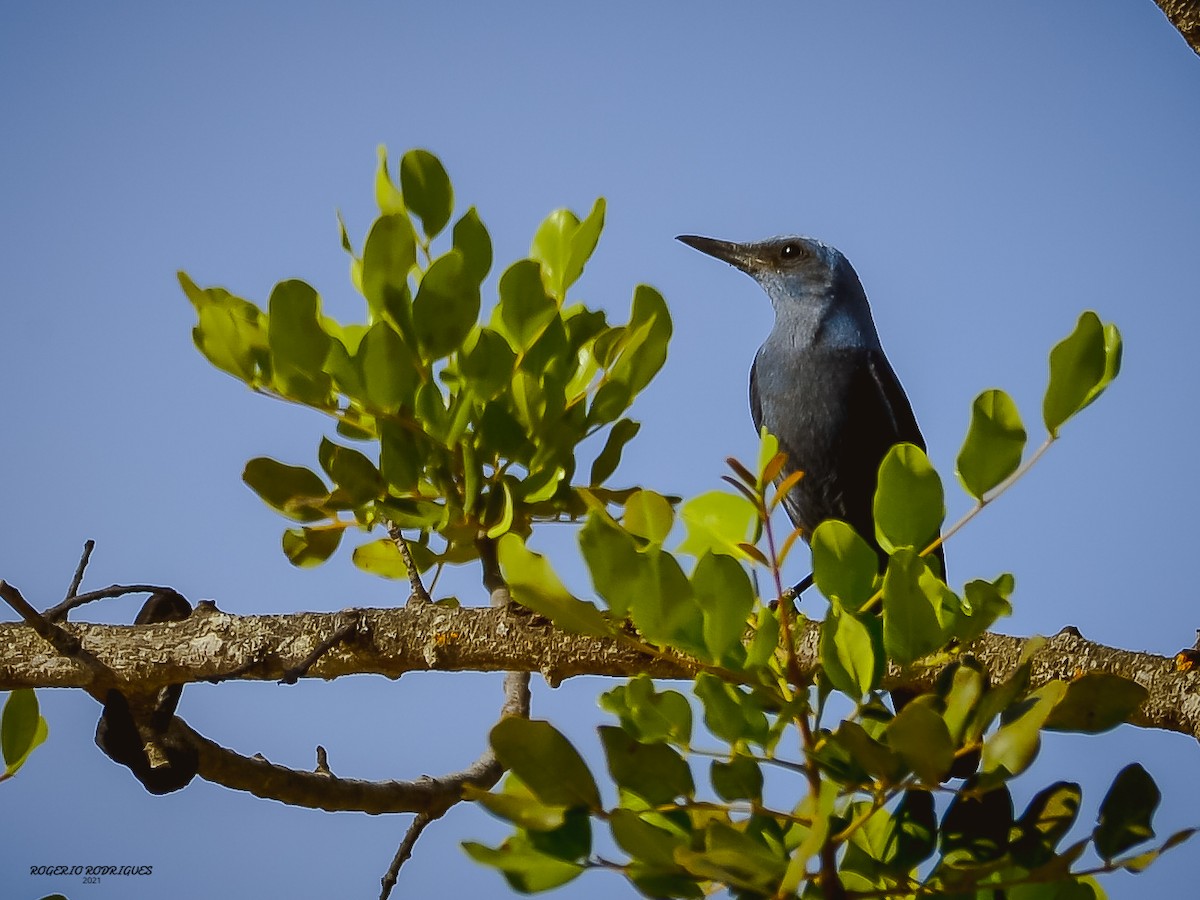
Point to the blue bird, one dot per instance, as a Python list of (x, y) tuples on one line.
[(821, 382)]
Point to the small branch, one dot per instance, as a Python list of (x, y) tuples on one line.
[(56, 613), (1185, 16), (404, 852), (414, 577), (88, 546), (493, 578), (63, 641), (295, 673)]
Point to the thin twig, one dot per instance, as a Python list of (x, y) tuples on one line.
[(414, 577), (343, 631), (88, 546), (113, 590), (57, 636), (404, 852)]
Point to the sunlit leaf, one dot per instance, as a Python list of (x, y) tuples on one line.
[(994, 443), (427, 190), (534, 584), (1080, 366), (545, 761), (446, 307), (22, 728), (308, 547), (909, 501), (844, 565), (718, 522), (851, 652)]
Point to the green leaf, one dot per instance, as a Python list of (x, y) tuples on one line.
[(644, 347), (354, 474), (230, 332), (1045, 822), (518, 805), (662, 607), (308, 547), (735, 858), (472, 240), (649, 714), (608, 403), (524, 310), (538, 754), (295, 491), (739, 779), (1080, 367), (984, 603), (875, 759), (533, 584), (964, 685), (730, 713), (563, 245), (389, 254), (525, 869), (583, 243), (844, 565), (994, 443), (648, 515), (487, 363), (911, 628), (299, 345), (380, 557), (570, 842), (919, 735), (387, 195), (446, 307), (427, 191), (1096, 702), (622, 432), (763, 645), (643, 841), (387, 368), (851, 652), (717, 522), (503, 524), (909, 502), (1014, 746), (653, 771), (618, 571), (402, 456), (22, 728), (1126, 812), (725, 595)]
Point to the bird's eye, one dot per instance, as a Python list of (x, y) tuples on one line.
[(791, 251)]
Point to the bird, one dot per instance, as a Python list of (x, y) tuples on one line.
[(820, 382)]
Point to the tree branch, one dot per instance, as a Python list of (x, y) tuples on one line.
[(213, 645), (1185, 16)]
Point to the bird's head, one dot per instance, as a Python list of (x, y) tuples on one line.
[(815, 291)]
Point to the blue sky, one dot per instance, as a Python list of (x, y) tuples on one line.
[(990, 171)]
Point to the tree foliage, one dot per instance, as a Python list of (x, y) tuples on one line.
[(457, 428)]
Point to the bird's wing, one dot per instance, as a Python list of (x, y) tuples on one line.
[(755, 399), (894, 401)]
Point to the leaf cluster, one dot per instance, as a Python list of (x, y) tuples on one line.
[(449, 422)]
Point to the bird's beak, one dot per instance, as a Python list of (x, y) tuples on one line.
[(737, 255)]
